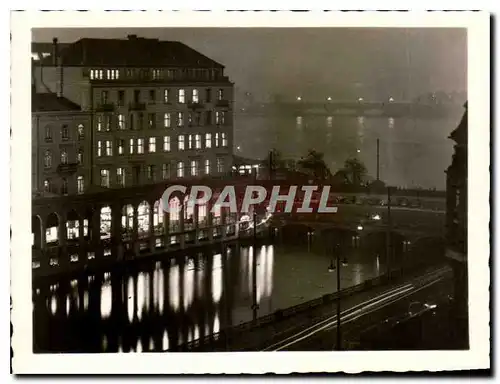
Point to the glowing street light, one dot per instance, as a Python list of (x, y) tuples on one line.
[(376, 217), (299, 98), (329, 98), (360, 227), (358, 150), (360, 99), (391, 99)]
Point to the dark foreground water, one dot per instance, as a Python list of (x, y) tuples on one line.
[(162, 303)]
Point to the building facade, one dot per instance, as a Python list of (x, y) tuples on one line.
[(159, 109), (456, 227), (60, 147)]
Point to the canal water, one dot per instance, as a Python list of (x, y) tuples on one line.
[(165, 302), (413, 152)]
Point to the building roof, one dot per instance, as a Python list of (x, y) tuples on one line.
[(50, 102), (130, 52)]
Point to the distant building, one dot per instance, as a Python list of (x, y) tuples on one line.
[(456, 223), (159, 110), (60, 146)]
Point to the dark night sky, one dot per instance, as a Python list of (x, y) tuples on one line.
[(374, 63)]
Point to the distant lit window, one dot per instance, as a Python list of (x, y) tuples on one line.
[(180, 169), (217, 140), (99, 148), (190, 141), (194, 168), (121, 146), (121, 122), (131, 146), (182, 96), (109, 148), (195, 96), (166, 143), (197, 142), (140, 146), (79, 156), (224, 139), (64, 157), (219, 117), (152, 120), (152, 145), (167, 120), (180, 142), (208, 140), (207, 167), (180, 119), (112, 74), (47, 159), (120, 177), (99, 123), (80, 186), (81, 131), (166, 96), (107, 123), (220, 165), (220, 94), (156, 74), (46, 185), (105, 178)]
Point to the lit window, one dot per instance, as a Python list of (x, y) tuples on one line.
[(47, 159), (217, 140), (120, 176), (181, 142), (166, 120), (99, 123), (219, 118), (105, 178), (198, 141), (194, 168), (140, 146), (48, 132), (224, 139), (152, 144), (165, 171), (190, 141), (182, 96), (166, 143), (180, 119), (131, 146), (207, 167), (79, 156), (166, 94), (121, 122), (81, 132), (109, 148), (220, 94), (152, 120), (156, 74), (99, 148), (121, 146), (46, 185), (190, 119), (220, 164), (195, 96), (80, 186), (208, 140), (180, 169), (64, 186), (64, 157)]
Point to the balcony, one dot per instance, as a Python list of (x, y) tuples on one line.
[(137, 106), (105, 107), (67, 169), (222, 103), (195, 106)]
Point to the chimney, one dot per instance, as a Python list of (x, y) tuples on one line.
[(55, 52)]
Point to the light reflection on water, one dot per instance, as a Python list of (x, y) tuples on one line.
[(190, 311)]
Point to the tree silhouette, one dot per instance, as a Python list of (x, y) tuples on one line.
[(314, 164), (355, 171)]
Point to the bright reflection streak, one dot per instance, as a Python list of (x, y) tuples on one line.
[(261, 270), (216, 326), (217, 278), (85, 300), (329, 121), (130, 299), (141, 284), (68, 303), (173, 284), (164, 342), (120, 346), (53, 304), (190, 335), (196, 332), (200, 274), (188, 283), (104, 342), (106, 300), (269, 270), (180, 341), (139, 346), (159, 287), (378, 264), (250, 269), (151, 344), (207, 329)]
